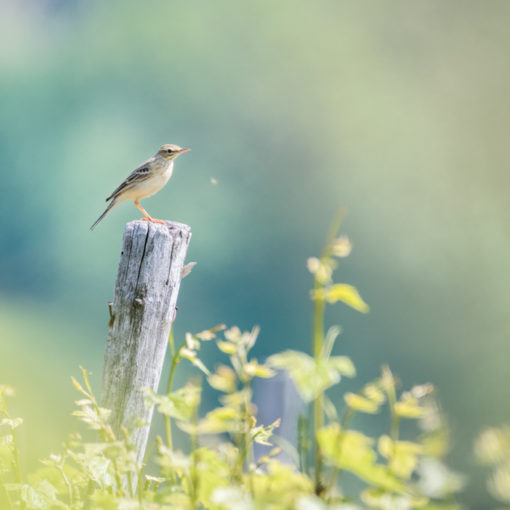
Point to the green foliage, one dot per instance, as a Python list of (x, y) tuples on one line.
[(219, 470), (312, 376), (492, 448)]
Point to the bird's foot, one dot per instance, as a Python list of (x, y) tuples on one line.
[(153, 220)]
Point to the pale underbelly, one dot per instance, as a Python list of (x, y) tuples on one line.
[(146, 189)]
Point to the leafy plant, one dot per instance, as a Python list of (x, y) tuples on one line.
[(219, 469), (492, 448)]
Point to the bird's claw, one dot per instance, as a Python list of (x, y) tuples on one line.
[(153, 220)]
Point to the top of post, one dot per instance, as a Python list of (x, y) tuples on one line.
[(144, 227)]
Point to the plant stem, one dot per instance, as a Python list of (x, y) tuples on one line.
[(318, 417), (68, 484), (171, 342), (175, 360), (344, 423), (303, 444), (118, 479), (389, 387), (130, 483), (317, 349), (194, 468)]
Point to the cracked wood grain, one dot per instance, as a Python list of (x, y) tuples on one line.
[(141, 315)]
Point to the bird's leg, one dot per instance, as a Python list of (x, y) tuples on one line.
[(144, 212), (147, 217)]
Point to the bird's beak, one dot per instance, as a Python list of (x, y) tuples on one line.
[(184, 150)]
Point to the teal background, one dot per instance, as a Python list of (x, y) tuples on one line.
[(397, 110)]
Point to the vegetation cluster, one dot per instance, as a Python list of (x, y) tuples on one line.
[(218, 469)]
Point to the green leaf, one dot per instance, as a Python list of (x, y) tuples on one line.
[(280, 486), (381, 499), (179, 404), (79, 387), (493, 445), (312, 377), (342, 292), (95, 418), (12, 423), (402, 455), (213, 472), (232, 498), (226, 347), (322, 268), (43, 495), (173, 461), (343, 365), (329, 340), (254, 369), (352, 451), (374, 393), (217, 421), (224, 379), (408, 407), (261, 434), (362, 404)]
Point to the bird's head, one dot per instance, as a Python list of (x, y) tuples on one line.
[(170, 151)]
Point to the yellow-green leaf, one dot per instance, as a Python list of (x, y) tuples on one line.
[(226, 347), (402, 455), (359, 403), (342, 292), (352, 450), (408, 408), (224, 379)]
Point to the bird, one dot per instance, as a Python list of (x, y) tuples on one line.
[(145, 180)]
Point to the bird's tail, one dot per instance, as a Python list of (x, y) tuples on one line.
[(111, 205)]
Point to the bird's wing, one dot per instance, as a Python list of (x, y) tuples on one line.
[(138, 175)]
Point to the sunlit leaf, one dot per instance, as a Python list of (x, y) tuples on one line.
[(437, 481), (179, 404), (191, 343), (224, 379), (343, 365), (384, 500), (322, 269), (311, 376), (342, 292), (359, 403), (499, 483), (12, 423), (329, 340), (408, 407), (373, 392), (402, 455), (79, 387), (493, 445), (226, 347), (341, 247), (217, 421), (352, 450), (254, 369)]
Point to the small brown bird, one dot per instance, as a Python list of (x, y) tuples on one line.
[(145, 180)]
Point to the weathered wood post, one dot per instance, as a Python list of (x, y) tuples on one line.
[(148, 280)]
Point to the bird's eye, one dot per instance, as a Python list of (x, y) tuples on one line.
[(169, 151)]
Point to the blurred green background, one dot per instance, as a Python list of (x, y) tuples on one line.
[(397, 110)]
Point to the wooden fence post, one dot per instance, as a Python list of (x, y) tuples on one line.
[(148, 280)]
